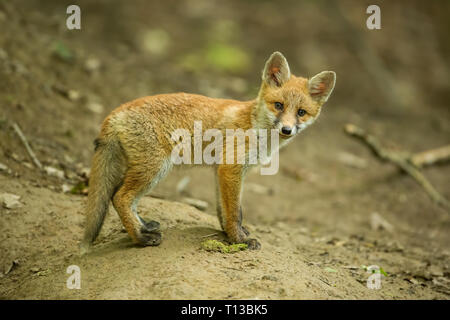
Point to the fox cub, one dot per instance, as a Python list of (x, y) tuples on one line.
[(133, 149)]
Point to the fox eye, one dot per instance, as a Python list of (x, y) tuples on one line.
[(278, 106), (301, 112)]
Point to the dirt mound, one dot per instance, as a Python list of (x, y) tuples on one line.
[(293, 264)]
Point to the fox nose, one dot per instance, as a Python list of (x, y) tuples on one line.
[(286, 130)]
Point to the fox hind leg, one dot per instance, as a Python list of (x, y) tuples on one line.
[(123, 200), (138, 181), (151, 225)]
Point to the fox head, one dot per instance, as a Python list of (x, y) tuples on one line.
[(289, 103)]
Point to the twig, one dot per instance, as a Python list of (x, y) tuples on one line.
[(27, 146), (430, 157), (235, 269), (157, 196), (402, 160), (209, 235)]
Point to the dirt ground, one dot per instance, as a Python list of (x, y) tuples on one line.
[(314, 218)]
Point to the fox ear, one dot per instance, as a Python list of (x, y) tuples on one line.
[(321, 85), (276, 72)]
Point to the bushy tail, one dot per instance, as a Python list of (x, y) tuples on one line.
[(106, 174)]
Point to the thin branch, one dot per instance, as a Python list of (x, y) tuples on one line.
[(402, 160), (27, 145), (209, 235), (429, 157)]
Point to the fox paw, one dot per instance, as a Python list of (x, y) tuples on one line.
[(149, 238), (253, 244), (152, 225)]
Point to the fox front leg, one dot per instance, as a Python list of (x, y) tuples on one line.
[(230, 185), (219, 201), (219, 209)]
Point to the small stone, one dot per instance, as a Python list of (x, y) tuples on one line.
[(73, 95), (269, 277), (27, 165), (4, 168), (95, 107), (10, 201), (83, 171), (16, 157), (68, 158), (35, 269), (92, 65), (19, 68), (66, 188), (377, 222), (442, 282), (54, 172), (435, 271), (70, 94)]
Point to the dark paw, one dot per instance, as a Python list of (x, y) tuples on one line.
[(253, 244), (149, 238), (244, 229), (152, 225)]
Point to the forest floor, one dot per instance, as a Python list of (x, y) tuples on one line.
[(316, 219)]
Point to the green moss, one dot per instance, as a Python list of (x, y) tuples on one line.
[(217, 246), (79, 188), (62, 51)]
